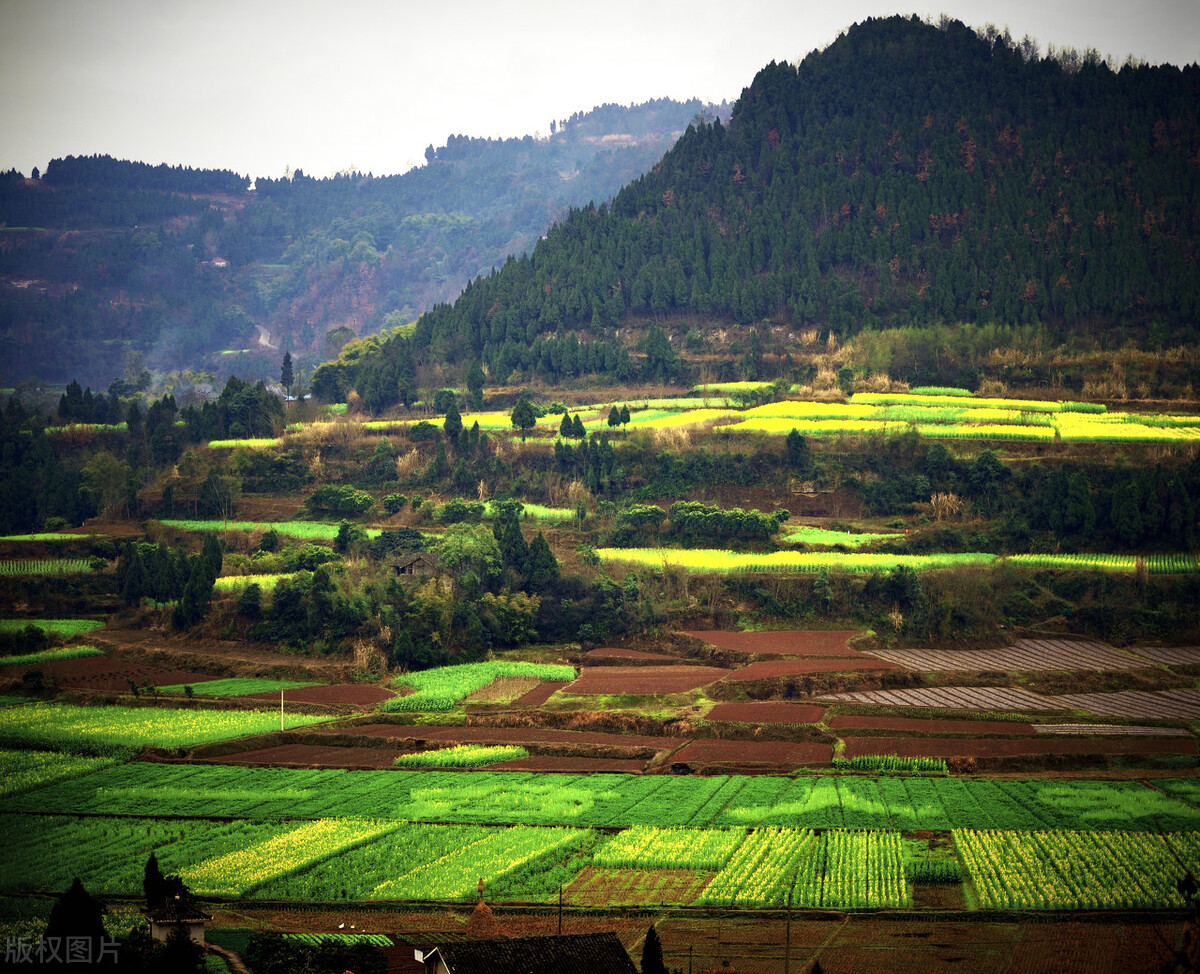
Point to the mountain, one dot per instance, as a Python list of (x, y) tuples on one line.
[(906, 176), (101, 257)]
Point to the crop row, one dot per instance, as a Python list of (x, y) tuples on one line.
[(46, 566), (1077, 870), (462, 756), (723, 560), (1175, 564), (904, 803), (354, 859), (444, 687), (25, 770)]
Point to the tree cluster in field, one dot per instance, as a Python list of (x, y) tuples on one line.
[(906, 174), (155, 572)]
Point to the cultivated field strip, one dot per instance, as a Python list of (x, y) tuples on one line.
[(1156, 704), (151, 791), (1024, 655), (1109, 730), (1152, 705), (1171, 655), (955, 698)]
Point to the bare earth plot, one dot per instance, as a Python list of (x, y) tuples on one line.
[(767, 669), (767, 712), (538, 696), (616, 652), (643, 679), (1024, 655), (783, 642), (754, 752), (509, 735)]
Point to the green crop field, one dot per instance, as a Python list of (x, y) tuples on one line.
[(50, 725), (64, 628), (305, 530), (50, 656), (236, 686), (825, 538), (847, 801), (443, 688)]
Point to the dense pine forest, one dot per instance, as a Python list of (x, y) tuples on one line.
[(909, 176)]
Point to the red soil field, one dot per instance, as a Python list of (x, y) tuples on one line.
[(753, 752), (106, 673), (355, 694), (1005, 727), (539, 695), (767, 712), (943, 747), (506, 735), (766, 669), (644, 679), (783, 642), (615, 652), (572, 765), (311, 755)]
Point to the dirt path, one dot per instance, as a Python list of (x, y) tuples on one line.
[(232, 960)]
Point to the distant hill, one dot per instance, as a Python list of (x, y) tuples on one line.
[(101, 257), (908, 174)]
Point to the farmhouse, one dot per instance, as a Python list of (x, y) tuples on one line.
[(597, 953), (416, 563), (181, 913)]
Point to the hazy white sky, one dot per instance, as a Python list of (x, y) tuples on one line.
[(259, 86)]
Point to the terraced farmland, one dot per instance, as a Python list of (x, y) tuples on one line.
[(1024, 655)]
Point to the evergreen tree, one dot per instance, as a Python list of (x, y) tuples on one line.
[(542, 565), (625, 415), (614, 417), (798, 456), (565, 429), (523, 416), (577, 428), (286, 376), (652, 954), (453, 425), (475, 381)]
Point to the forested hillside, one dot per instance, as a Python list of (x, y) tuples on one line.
[(906, 176), (100, 257)]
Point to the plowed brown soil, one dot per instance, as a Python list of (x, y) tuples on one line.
[(643, 679), (615, 652), (314, 756), (537, 697), (783, 642), (767, 669), (505, 735), (106, 673), (767, 712), (778, 753), (572, 765)]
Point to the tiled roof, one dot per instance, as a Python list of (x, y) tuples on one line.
[(596, 953)]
